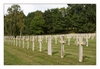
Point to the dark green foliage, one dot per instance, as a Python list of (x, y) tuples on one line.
[(76, 18), (28, 20), (14, 21), (47, 15), (37, 23), (82, 17)]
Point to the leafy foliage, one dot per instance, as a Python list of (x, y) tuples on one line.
[(76, 18), (14, 20), (37, 23)]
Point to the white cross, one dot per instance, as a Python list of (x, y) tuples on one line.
[(27, 39), (49, 45), (33, 43), (23, 41), (40, 42), (80, 43), (62, 46)]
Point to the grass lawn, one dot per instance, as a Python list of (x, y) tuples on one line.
[(15, 55)]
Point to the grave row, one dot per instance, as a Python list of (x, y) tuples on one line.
[(48, 39)]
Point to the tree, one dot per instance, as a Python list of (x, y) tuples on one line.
[(47, 15), (37, 24), (28, 20), (82, 17), (57, 21), (15, 20)]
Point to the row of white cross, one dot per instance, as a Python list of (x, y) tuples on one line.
[(78, 41)]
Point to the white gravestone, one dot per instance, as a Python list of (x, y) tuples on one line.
[(87, 37), (27, 39), (40, 42), (33, 39), (46, 38), (49, 45), (80, 43), (55, 39), (92, 37), (80, 49), (76, 37), (11, 39), (23, 41), (62, 46), (69, 37), (19, 41), (16, 41)]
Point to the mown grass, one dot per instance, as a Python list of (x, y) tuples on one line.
[(15, 55)]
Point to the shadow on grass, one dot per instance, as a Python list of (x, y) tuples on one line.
[(45, 50), (55, 52), (66, 54), (85, 57)]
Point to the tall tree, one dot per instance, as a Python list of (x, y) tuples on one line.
[(81, 18), (47, 15), (37, 24), (28, 20), (15, 18), (57, 21)]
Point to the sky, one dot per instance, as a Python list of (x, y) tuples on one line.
[(33, 7)]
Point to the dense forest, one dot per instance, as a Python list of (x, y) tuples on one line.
[(75, 18)]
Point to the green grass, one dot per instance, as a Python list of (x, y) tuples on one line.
[(22, 56)]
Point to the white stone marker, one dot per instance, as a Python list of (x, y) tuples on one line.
[(27, 39), (33, 39), (80, 49), (92, 37), (68, 37), (11, 40), (55, 39), (76, 40), (40, 42), (87, 37), (16, 41), (62, 46), (49, 45), (19, 41), (23, 41), (46, 38)]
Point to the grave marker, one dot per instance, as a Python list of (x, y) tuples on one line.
[(23, 41), (62, 46), (55, 39), (87, 37), (33, 43), (76, 40), (68, 37), (16, 41), (19, 41), (27, 39), (49, 45), (80, 43), (40, 42)]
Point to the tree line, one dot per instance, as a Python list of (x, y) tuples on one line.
[(76, 18)]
